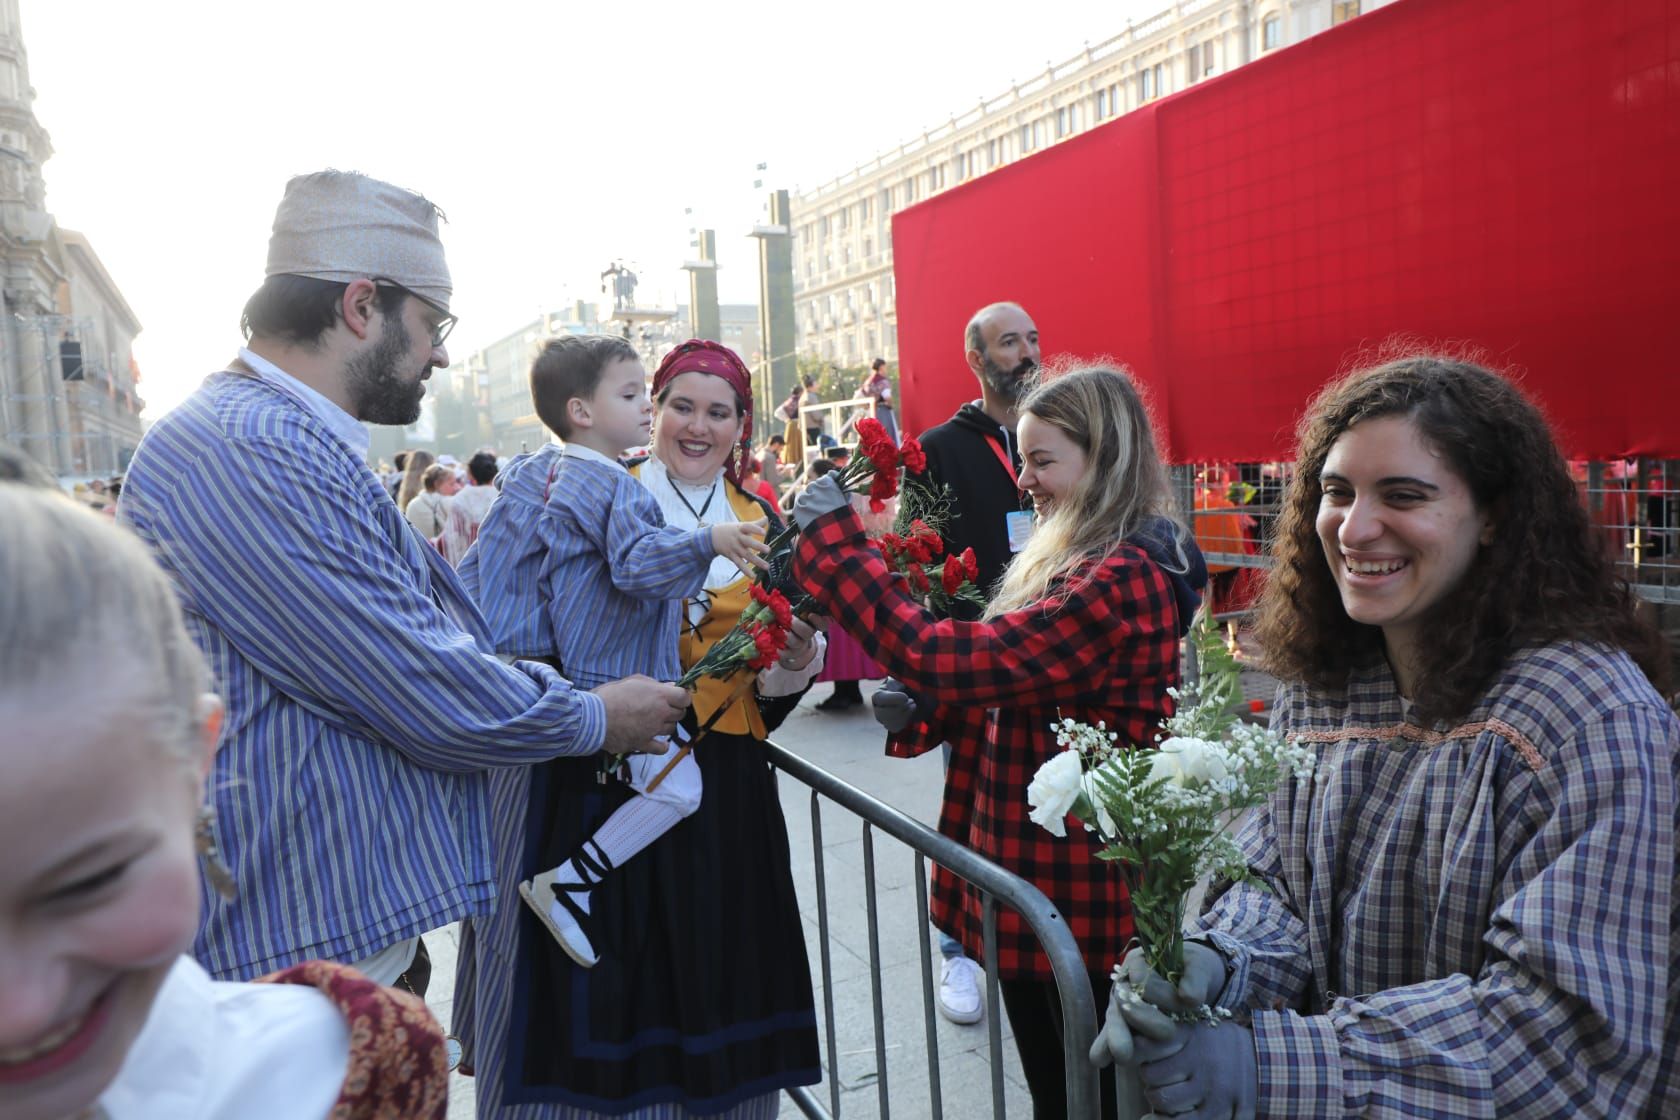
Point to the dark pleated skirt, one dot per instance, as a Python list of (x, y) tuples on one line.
[(703, 992)]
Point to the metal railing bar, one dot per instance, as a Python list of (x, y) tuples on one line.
[(994, 1028), (997, 884), (827, 960), (807, 1102), (870, 909), (930, 1025)]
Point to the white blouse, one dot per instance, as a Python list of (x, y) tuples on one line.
[(776, 680), (212, 1050)]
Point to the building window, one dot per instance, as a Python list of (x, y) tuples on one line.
[(991, 154), (863, 211), (909, 191), (1061, 123), (1207, 58), (825, 225), (845, 254), (1150, 85), (1195, 61), (844, 216), (1271, 33), (1026, 138), (869, 247), (1343, 10)]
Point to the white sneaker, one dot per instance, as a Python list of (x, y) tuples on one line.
[(959, 991)]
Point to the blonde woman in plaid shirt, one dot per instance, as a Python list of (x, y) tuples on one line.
[(1469, 910)]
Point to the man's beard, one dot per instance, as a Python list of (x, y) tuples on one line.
[(375, 383), (1009, 384)]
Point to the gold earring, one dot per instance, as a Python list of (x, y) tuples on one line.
[(215, 870)]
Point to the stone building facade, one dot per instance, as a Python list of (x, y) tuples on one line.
[(68, 392), (842, 231)]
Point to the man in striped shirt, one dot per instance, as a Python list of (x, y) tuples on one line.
[(365, 707)]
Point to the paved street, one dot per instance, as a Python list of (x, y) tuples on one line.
[(848, 745)]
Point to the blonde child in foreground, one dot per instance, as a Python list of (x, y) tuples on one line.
[(102, 1013)]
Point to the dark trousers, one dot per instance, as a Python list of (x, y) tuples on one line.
[(1035, 1015), (418, 976)]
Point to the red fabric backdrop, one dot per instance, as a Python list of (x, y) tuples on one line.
[(1500, 173)]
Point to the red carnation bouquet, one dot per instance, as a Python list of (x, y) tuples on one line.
[(752, 644), (936, 584)]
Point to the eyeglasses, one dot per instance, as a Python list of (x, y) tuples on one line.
[(446, 321)]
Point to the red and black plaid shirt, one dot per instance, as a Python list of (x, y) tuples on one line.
[(1107, 653)]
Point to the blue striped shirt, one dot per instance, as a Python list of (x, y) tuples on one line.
[(575, 560), (364, 707)]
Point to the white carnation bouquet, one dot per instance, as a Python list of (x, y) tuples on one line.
[(1163, 812)]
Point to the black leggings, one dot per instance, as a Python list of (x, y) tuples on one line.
[(1035, 1015)]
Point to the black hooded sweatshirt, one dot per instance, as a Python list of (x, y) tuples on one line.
[(964, 456)]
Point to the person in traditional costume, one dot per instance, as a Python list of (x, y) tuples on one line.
[(575, 565), (701, 1000), (1085, 625), (102, 1011), (1470, 909)]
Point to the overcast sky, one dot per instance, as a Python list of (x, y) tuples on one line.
[(555, 136)]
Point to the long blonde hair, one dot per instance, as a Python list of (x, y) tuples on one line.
[(80, 597), (1123, 488)]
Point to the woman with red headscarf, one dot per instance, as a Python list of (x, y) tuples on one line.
[(701, 999)]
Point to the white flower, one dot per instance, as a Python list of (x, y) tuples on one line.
[(1183, 760), (1053, 791)]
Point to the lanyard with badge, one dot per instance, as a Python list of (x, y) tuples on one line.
[(1017, 523)]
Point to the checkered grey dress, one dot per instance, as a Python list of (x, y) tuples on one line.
[(1474, 921)]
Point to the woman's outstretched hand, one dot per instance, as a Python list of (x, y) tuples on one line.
[(820, 497)]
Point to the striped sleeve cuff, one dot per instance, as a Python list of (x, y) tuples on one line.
[(591, 725), (1236, 955), (1300, 1063)]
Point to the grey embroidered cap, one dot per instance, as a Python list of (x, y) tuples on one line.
[(342, 225)]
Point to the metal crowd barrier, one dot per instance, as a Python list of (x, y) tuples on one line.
[(1079, 1014)]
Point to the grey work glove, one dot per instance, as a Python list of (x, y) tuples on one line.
[(1202, 982), (896, 707), (1201, 1071), (822, 496)]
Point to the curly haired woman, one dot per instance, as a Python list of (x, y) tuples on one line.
[(1470, 908)]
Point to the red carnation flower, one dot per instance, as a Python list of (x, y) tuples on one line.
[(871, 431), (876, 505), (910, 453), (784, 612), (918, 579), (884, 486), (952, 578), (919, 550), (970, 564)]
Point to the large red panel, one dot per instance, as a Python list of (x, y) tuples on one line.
[(1494, 172)]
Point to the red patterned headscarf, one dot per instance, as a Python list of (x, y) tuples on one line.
[(698, 355)]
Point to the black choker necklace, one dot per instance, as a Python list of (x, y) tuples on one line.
[(699, 514)]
